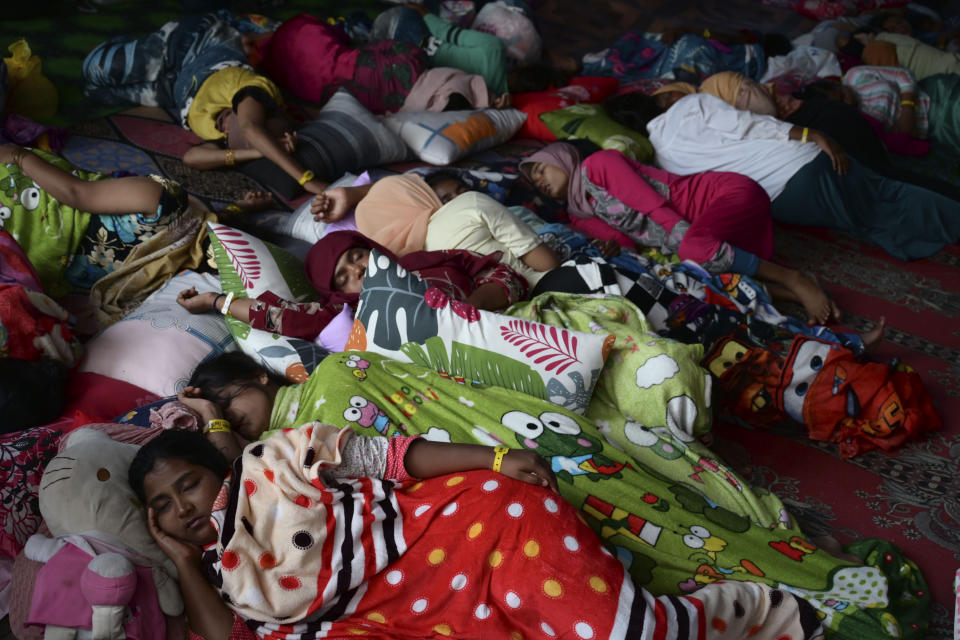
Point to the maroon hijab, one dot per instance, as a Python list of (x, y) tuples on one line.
[(450, 270)]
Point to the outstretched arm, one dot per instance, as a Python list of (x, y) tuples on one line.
[(252, 114), (210, 156), (427, 459), (107, 197)]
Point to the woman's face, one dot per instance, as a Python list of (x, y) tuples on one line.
[(182, 496), (350, 268), (897, 24), (249, 408), (447, 190), (550, 180)]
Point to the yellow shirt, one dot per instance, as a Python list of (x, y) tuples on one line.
[(216, 94)]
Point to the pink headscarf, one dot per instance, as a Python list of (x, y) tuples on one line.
[(566, 157), (396, 211), (432, 90)]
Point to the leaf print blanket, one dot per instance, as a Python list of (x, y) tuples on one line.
[(675, 515)]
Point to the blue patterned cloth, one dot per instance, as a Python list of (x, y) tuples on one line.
[(638, 55)]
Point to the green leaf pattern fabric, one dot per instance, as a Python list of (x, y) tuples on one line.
[(248, 267), (402, 317)]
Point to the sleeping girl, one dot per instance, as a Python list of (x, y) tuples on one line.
[(324, 533), (640, 499)]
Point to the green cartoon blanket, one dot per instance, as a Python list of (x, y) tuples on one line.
[(673, 513)]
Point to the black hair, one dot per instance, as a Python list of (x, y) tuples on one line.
[(876, 22), (458, 102), (819, 90), (536, 77), (232, 368), (436, 177), (31, 392), (175, 444), (854, 47), (775, 44), (633, 110)]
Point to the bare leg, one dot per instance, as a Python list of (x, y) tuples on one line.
[(873, 337), (799, 287), (832, 546)]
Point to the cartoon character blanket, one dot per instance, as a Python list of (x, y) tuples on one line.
[(774, 370), (304, 554), (674, 514)]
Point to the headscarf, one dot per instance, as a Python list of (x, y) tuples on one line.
[(432, 90), (396, 211), (566, 157), (683, 87), (451, 270), (725, 85)]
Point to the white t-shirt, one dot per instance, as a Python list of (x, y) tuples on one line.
[(476, 222), (701, 132)]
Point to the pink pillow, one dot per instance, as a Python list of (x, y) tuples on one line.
[(334, 335)]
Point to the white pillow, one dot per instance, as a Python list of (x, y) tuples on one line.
[(446, 136), (249, 267), (159, 344)]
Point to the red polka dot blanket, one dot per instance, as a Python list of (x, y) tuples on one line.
[(302, 554)]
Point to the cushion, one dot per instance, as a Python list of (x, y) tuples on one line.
[(343, 137), (446, 136), (249, 267), (535, 103), (591, 121), (25, 454), (515, 29), (159, 344), (404, 318)]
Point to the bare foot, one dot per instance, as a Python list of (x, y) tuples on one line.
[(873, 337), (832, 546), (820, 308)]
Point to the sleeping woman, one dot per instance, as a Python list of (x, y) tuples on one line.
[(323, 533), (675, 534), (77, 226), (336, 266)]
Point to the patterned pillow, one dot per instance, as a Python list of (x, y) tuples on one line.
[(159, 344), (249, 267), (591, 121), (446, 136), (403, 317), (535, 103), (343, 137), (24, 456)]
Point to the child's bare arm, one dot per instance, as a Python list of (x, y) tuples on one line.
[(427, 459), (210, 156), (109, 197), (541, 258)]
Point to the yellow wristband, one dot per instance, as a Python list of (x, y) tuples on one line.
[(217, 425), (803, 136), (706, 33), (907, 103), (306, 177), (498, 459), (230, 158)]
